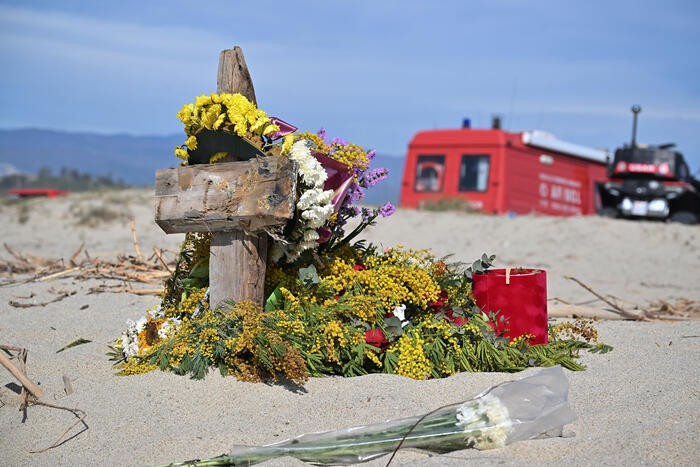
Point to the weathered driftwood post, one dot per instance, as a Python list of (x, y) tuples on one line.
[(235, 201)]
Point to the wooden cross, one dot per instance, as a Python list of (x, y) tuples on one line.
[(235, 201)]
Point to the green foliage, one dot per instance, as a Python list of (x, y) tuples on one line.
[(480, 266), (192, 268), (323, 317)]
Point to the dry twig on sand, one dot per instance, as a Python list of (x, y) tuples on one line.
[(31, 393), (126, 268), (618, 309), (60, 295), (681, 309), (656, 311), (19, 371)]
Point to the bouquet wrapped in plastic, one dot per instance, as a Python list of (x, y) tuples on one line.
[(526, 408)]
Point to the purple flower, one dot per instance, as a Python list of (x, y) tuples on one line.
[(348, 211), (339, 141), (367, 215), (355, 193), (374, 176), (322, 134), (371, 154), (324, 234), (387, 210)]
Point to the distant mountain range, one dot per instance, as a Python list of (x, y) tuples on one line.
[(131, 159)]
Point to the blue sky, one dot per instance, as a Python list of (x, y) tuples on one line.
[(372, 71)]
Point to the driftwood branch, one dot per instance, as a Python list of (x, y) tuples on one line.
[(19, 373), (130, 269), (136, 242), (61, 295), (624, 313)]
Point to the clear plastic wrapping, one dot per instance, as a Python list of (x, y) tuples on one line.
[(526, 408)]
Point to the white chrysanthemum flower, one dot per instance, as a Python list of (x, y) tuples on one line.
[(311, 236), (168, 328), (311, 171), (314, 205), (130, 338), (156, 312), (486, 422)]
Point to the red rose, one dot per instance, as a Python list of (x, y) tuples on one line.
[(359, 267), (459, 320), (376, 338), (441, 301)]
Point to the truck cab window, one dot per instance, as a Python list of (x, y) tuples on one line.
[(474, 172), (430, 171)]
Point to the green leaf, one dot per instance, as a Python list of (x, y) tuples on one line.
[(392, 326), (74, 344), (201, 269), (601, 348), (275, 300), (309, 275)]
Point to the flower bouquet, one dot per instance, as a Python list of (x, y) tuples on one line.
[(517, 410), (334, 303)]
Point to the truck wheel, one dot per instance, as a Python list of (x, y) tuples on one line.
[(608, 211), (684, 217)]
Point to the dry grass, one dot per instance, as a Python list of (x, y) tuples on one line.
[(449, 204), (102, 212)]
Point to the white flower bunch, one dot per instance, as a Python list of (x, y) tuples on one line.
[(168, 327), (315, 205), (130, 338), (486, 422)]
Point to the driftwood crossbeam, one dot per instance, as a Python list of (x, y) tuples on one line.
[(238, 202)]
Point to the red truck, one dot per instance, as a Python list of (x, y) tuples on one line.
[(498, 171)]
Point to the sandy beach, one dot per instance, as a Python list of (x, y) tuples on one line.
[(637, 405)]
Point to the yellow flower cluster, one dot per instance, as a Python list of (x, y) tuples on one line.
[(351, 155), (443, 330), (135, 366), (365, 308), (229, 112), (184, 345), (405, 257), (390, 284), (216, 110), (334, 339), (373, 357), (188, 305), (207, 340), (521, 342), (290, 299), (581, 327), (413, 362)]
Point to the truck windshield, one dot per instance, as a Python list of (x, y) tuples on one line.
[(429, 173), (474, 172)]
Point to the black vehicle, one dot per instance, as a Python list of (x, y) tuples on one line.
[(649, 182)]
